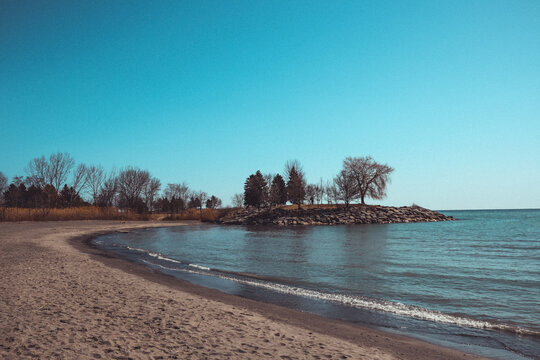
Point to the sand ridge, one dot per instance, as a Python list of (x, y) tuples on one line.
[(57, 301)]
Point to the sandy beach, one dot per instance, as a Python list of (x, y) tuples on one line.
[(62, 298)]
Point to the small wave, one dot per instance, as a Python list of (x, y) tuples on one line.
[(199, 267), (164, 258), (160, 266), (392, 307), (152, 253)]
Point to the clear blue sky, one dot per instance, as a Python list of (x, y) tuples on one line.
[(207, 92)]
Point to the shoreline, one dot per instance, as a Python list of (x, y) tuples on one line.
[(299, 333)]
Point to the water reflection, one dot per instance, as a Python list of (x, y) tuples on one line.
[(334, 258), (266, 246), (363, 249)]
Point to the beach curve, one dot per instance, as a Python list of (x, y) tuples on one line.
[(63, 298)]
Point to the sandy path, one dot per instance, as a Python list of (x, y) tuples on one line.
[(57, 301)]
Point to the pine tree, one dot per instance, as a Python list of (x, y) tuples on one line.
[(278, 191), (14, 195), (255, 189), (296, 187)]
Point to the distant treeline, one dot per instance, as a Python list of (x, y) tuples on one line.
[(360, 178), (55, 182)]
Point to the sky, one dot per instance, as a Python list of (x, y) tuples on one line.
[(208, 92)]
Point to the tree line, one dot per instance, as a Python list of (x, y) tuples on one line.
[(56, 182), (360, 178)]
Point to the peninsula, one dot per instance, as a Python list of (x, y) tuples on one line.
[(354, 214)]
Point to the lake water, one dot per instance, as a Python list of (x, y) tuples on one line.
[(472, 284)]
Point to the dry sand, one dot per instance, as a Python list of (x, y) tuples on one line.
[(60, 298)]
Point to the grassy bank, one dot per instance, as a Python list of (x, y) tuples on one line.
[(100, 213), (75, 213)]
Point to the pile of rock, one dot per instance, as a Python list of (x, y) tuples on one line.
[(333, 216)]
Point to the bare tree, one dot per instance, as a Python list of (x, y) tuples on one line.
[(177, 191), (80, 179), (55, 171), (371, 177), (345, 188), (237, 200), (213, 202), (177, 196), (295, 165), (200, 198), (311, 192), (17, 180), (107, 192), (60, 165), (37, 172), (331, 191), (131, 183), (3, 182), (96, 177), (268, 178), (3, 186), (319, 192), (150, 191)]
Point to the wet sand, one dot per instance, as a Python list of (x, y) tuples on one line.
[(60, 297)]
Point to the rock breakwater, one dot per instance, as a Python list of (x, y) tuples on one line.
[(356, 214)]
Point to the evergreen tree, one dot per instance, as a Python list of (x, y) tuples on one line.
[(177, 204), (163, 205), (14, 195), (278, 191), (255, 189), (69, 197), (35, 197), (296, 187), (194, 202), (49, 196)]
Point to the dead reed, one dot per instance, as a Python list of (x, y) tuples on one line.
[(75, 213)]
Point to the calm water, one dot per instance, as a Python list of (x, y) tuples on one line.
[(471, 284)]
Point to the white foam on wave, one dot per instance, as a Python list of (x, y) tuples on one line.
[(395, 308), (160, 266), (132, 248), (199, 267), (162, 257), (154, 254)]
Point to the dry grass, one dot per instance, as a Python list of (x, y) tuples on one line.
[(76, 213), (195, 214)]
